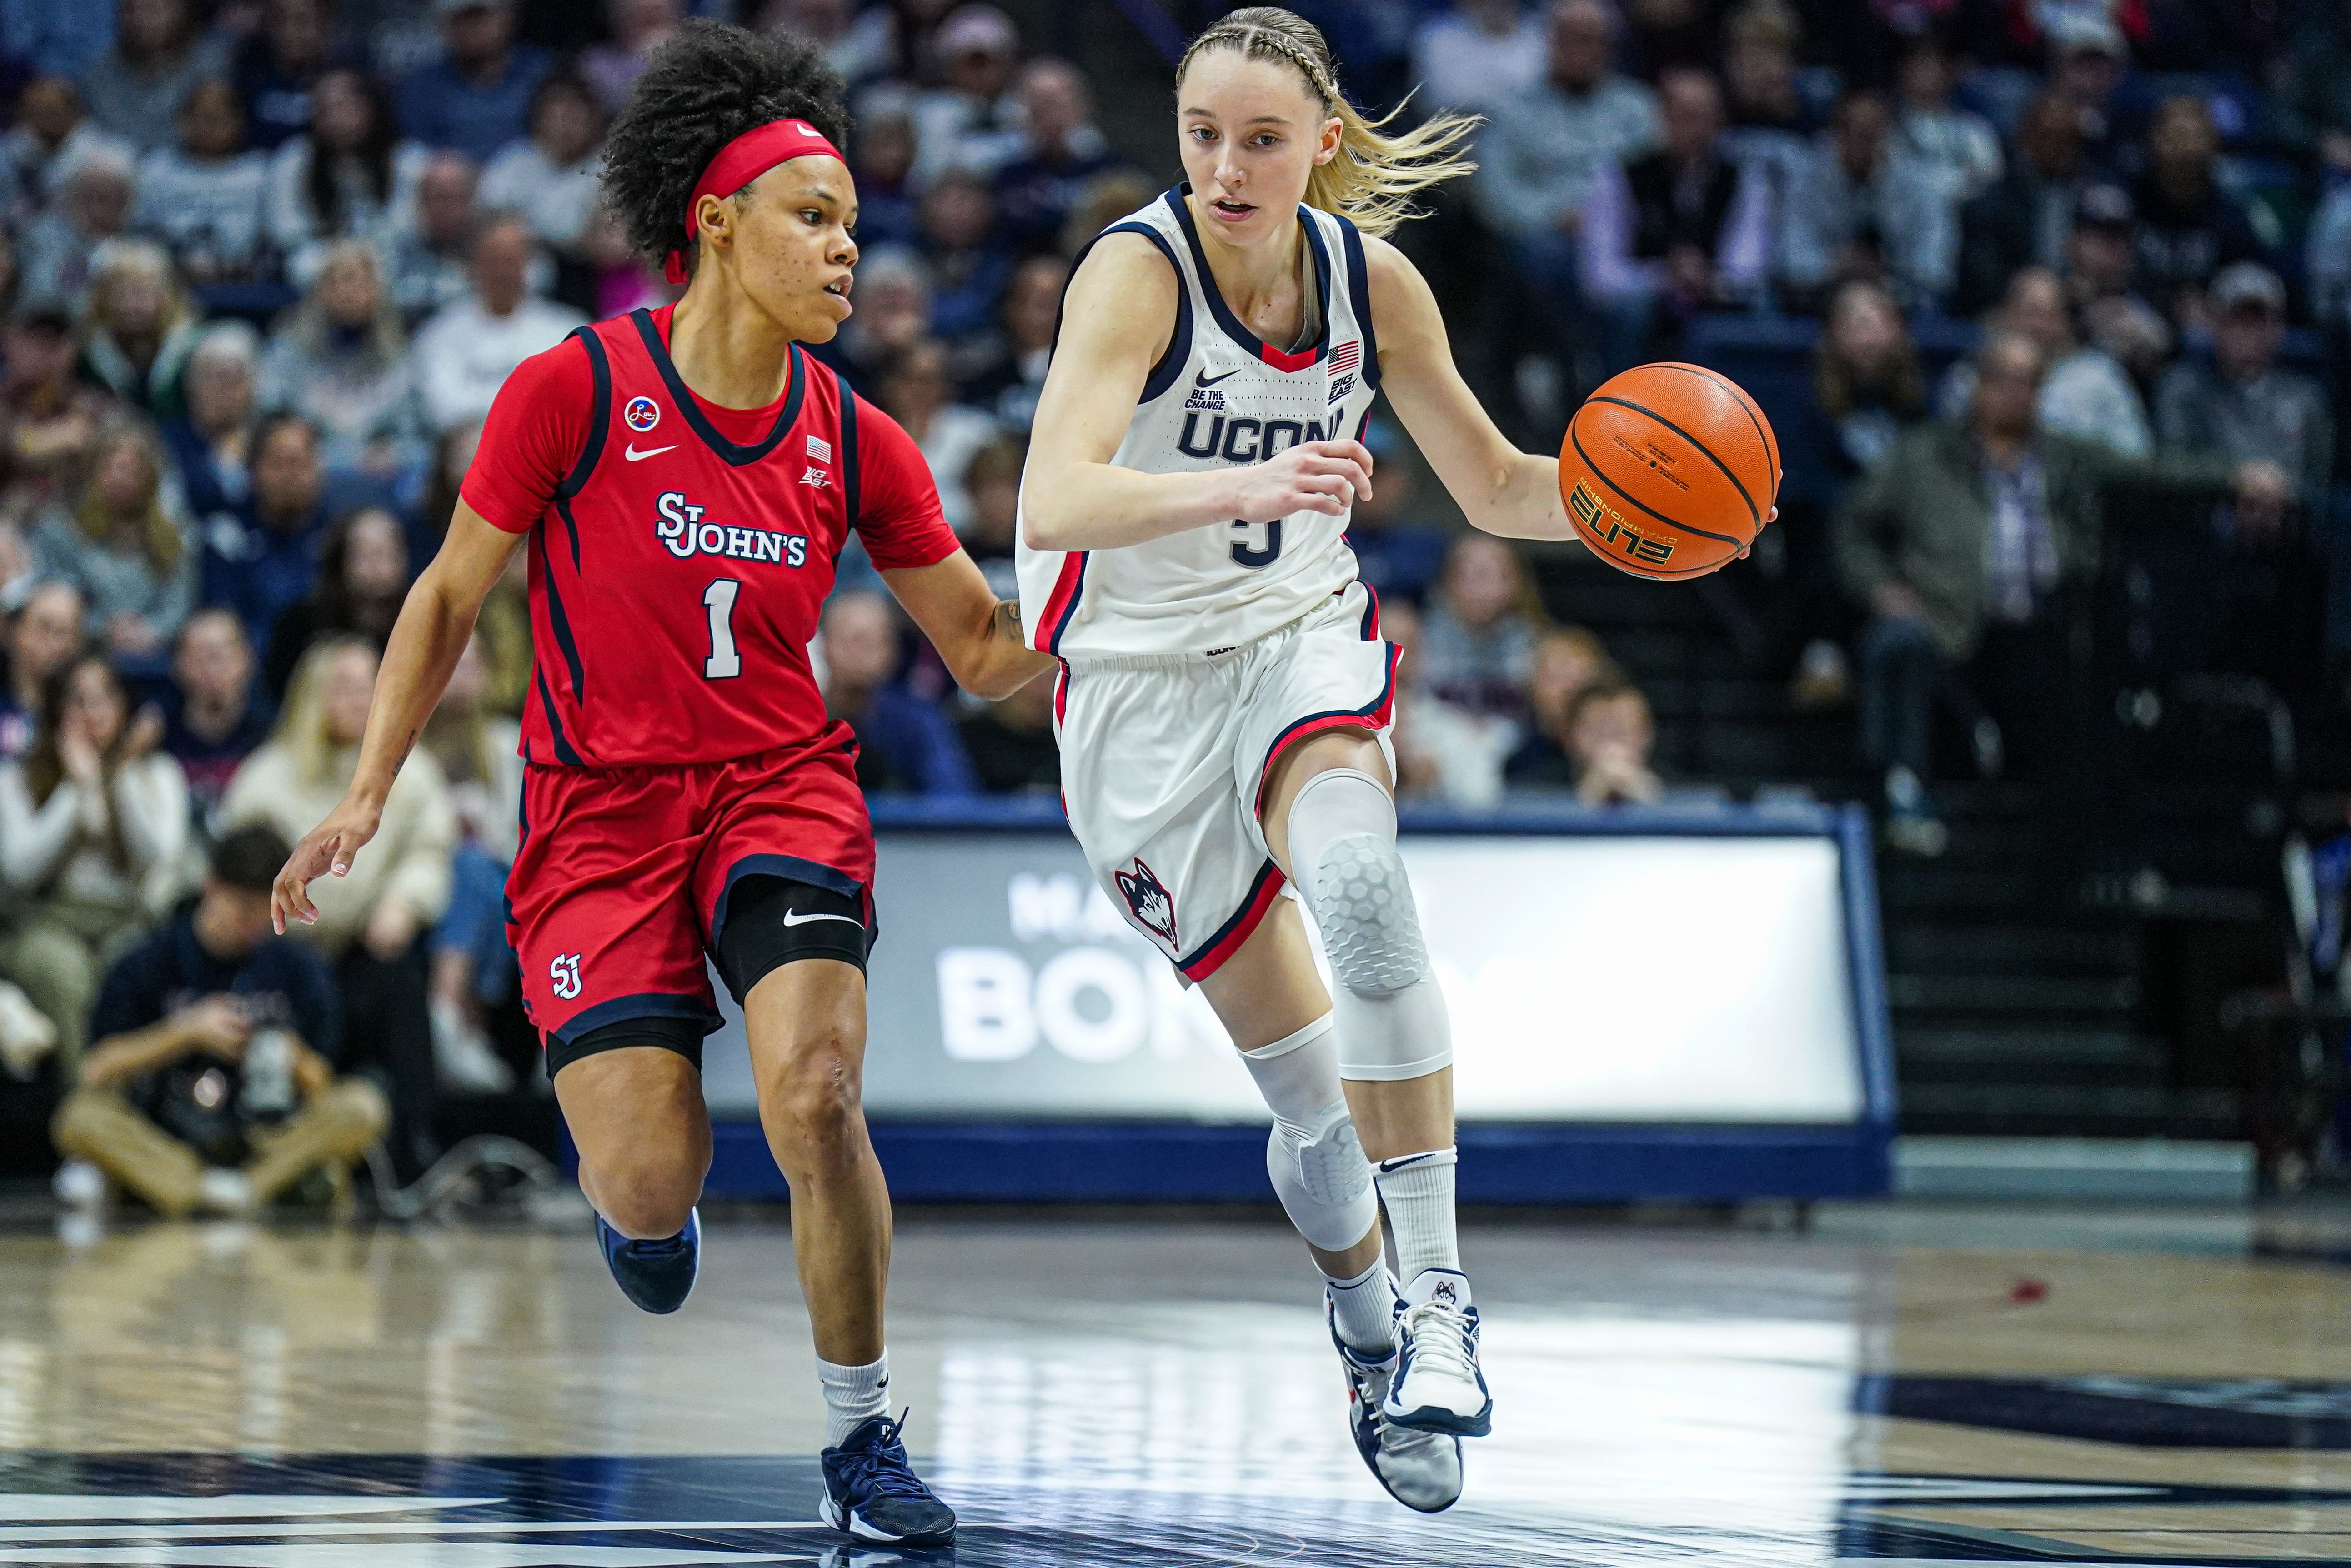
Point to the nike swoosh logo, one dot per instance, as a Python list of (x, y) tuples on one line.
[(793, 917), (1204, 379), (633, 456)]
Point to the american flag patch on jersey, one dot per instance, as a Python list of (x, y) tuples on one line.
[(1346, 356), (820, 449)]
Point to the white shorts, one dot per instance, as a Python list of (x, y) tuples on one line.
[(1163, 757)]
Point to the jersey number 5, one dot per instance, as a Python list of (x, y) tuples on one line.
[(725, 663), (1257, 560)]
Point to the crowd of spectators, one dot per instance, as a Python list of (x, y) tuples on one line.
[(2072, 276), (264, 264)]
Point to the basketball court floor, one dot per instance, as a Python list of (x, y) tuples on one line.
[(1896, 1385)]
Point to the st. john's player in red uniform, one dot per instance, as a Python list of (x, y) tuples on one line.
[(685, 479)]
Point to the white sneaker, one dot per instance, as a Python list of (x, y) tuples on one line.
[(1421, 1470), (1438, 1386)]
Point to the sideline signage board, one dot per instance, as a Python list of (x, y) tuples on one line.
[(1650, 972)]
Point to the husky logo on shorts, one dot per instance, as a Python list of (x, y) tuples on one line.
[(564, 974), (1154, 906)]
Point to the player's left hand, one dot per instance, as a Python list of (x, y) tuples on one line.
[(1767, 523), (329, 847)]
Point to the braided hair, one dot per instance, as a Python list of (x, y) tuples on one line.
[(1377, 173)]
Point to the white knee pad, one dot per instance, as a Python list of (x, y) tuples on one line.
[(1323, 1181), (1403, 1035), (1342, 844), (1318, 1166), (1390, 1015)]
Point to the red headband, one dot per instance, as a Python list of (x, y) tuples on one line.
[(744, 159)]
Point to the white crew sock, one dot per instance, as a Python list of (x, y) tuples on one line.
[(1418, 1192), (1365, 1308), (853, 1395)]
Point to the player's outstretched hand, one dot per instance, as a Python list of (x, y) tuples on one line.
[(1311, 477), (329, 847)]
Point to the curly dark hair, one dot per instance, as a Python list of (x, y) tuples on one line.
[(707, 85)]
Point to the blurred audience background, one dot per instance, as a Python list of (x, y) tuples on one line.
[(2049, 305)]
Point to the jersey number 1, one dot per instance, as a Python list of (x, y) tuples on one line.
[(724, 662)]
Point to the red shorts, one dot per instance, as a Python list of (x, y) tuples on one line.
[(620, 891)]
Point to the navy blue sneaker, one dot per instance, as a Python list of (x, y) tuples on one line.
[(657, 1275), (871, 1493)]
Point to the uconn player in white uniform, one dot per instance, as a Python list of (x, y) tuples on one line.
[(1225, 692)]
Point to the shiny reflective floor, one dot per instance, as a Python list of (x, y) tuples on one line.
[(1897, 1385)]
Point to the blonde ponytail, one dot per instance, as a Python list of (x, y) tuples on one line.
[(1374, 179)]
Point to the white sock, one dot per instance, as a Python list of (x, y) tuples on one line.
[(1365, 1307), (1418, 1192), (853, 1395)]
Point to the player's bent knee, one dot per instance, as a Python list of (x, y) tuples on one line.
[(1342, 846), (647, 1203), (1392, 1022), (1323, 1181), (1363, 902)]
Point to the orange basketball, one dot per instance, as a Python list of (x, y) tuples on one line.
[(1668, 471)]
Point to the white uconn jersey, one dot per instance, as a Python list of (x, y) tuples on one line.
[(1218, 398)]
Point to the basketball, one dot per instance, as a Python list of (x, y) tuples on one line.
[(1668, 471)]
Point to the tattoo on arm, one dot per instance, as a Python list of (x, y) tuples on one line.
[(1007, 620)]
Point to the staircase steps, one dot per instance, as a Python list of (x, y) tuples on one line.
[(2014, 979)]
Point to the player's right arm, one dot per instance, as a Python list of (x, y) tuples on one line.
[(1116, 321), (434, 623), (538, 428)]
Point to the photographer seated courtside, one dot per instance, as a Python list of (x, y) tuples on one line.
[(209, 1084)]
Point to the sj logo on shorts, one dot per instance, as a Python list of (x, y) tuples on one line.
[(564, 973), (1154, 905)]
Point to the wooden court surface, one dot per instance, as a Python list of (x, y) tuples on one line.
[(1896, 1385)]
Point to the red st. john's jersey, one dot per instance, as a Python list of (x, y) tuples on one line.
[(680, 552)]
